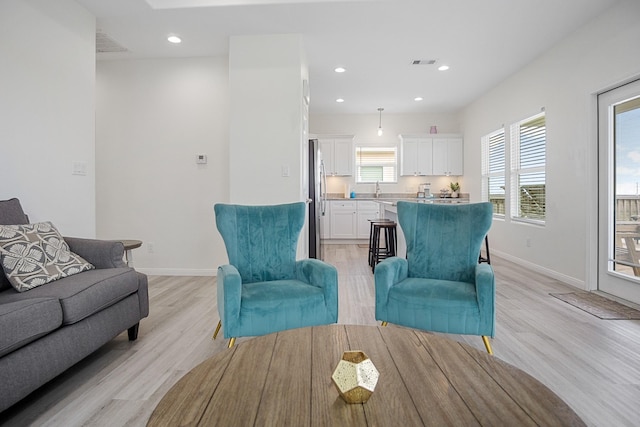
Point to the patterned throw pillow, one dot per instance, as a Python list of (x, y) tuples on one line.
[(34, 254)]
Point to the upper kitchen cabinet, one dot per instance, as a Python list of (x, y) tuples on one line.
[(337, 154), (448, 156), (416, 155), (431, 155)]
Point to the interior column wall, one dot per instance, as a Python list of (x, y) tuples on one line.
[(47, 111), (266, 119)]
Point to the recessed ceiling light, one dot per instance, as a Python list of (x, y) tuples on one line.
[(417, 98), (174, 39), (339, 100), (443, 67), (340, 70)]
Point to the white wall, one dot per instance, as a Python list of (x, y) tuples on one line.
[(364, 127), (152, 118), (266, 118), (564, 80), (47, 80)]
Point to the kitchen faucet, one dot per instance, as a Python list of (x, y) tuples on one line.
[(377, 189)]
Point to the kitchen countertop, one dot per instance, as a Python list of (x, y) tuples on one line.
[(425, 200), (392, 201), (393, 198), (371, 196)]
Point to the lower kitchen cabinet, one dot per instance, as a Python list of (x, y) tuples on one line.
[(343, 219), (366, 210), (350, 218)]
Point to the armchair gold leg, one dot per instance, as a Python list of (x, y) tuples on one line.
[(487, 344), (232, 341), (215, 334), (384, 323)]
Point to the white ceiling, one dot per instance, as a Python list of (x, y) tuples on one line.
[(483, 41)]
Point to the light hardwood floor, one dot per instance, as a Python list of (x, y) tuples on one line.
[(593, 364)]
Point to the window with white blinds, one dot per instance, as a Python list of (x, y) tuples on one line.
[(493, 171), (376, 164), (528, 161)]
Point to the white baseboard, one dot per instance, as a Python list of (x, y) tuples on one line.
[(177, 272), (580, 284)]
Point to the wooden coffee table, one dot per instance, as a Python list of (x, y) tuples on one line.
[(285, 379)]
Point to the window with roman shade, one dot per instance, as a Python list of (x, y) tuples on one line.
[(493, 171), (528, 176), (376, 164)]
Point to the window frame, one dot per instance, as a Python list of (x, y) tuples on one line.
[(517, 170), (359, 146), (488, 173)]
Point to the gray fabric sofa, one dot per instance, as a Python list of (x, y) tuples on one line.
[(48, 329)]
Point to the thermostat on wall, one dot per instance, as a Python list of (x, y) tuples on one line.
[(201, 159)]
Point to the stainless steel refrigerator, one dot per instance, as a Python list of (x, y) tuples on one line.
[(317, 197)]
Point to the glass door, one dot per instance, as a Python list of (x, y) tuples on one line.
[(619, 192)]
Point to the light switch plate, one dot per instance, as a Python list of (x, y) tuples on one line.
[(79, 168)]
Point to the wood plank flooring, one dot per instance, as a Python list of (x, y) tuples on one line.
[(593, 364)]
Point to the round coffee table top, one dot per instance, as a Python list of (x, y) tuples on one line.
[(425, 379)]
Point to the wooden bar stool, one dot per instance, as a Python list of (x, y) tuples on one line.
[(486, 259), (388, 229), (372, 222)]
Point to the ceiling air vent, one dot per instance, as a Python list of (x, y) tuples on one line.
[(105, 44), (423, 62)]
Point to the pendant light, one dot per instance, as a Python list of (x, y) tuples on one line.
[(380, 110)]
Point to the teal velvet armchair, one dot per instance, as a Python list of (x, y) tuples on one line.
[(264, 289), (441, 286)]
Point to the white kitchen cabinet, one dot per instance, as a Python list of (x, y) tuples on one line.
[(416, 156), (343, 219), (327, 148), (447, 156), (350, 218), (343, 156), (337, 154), (431, 155), (366, 210)]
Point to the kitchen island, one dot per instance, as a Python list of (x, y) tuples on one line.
[(347, 220), (388, 210)]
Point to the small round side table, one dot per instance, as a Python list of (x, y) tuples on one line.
[(129, 245)]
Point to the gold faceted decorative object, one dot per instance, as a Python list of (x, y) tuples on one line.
[(355, 377)]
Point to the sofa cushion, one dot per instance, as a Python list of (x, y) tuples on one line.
[(10, 213), (84, 294), (25, 321), (35, 254)]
